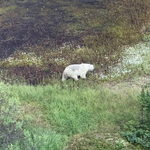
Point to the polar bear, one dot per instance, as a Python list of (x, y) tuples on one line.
[(77, 70)]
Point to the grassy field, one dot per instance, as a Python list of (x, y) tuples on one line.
[(37, 110), (50, 116)]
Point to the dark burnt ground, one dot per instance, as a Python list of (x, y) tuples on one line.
[(41, 23)]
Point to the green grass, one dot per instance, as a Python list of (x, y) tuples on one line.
[(60, 111)]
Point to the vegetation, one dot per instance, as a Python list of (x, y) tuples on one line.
[(54, 114), (139, 132), (10, 128), (42, 37), (39, 38)]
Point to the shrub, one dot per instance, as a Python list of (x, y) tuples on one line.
[(11, 129), (139, 132)]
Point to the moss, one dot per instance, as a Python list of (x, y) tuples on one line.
[(6, 9), (116, 31)]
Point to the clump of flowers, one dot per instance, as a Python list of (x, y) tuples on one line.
[(22, 58)]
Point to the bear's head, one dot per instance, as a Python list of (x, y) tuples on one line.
[(91, 67)]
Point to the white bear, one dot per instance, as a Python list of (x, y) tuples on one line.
[(77, 70)]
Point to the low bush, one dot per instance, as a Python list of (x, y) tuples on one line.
[(18, 133), (11, 128), (139, 132)]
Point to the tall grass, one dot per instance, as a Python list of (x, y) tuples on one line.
[(74, 108)]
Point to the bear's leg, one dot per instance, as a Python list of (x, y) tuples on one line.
[(83, 76), (64, 76), (75, 77), (71, 74)]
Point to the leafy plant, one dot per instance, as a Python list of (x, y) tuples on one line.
[(139, 133), (11, 129)]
